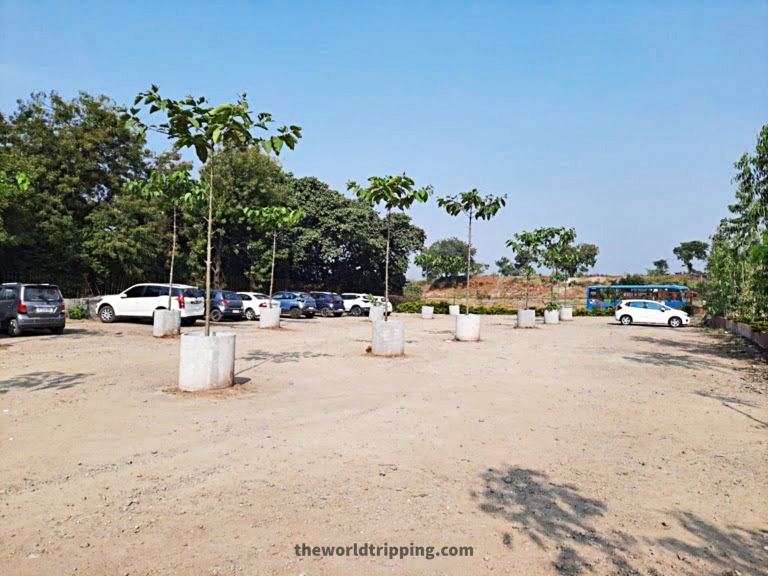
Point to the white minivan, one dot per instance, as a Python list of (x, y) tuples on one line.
[(141, 301), (650, 312)]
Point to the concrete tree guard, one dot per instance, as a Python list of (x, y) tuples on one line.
[(551, 316), (269, 318), (566, 313), (427, 312), (207, 362), (468, 327), (376, 313), (526, 318), (166, 323), (454, 310), (388, 338)]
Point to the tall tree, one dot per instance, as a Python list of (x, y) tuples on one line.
[(78, 158), (687, 252), (193, 123), (474, 207), (660, 268), (506, 267), (394, 193)]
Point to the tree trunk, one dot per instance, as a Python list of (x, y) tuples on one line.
[(272, 274), (208, 258), (469, 258), (386, 273), (173, 257)]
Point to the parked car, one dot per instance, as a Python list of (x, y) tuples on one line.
[(649, 312), (380, 302), (225, 304), (31, 307), (253, 302), (328, 303), (356, 304), (296, 304), (141, 301)]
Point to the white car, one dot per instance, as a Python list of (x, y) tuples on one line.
[(356, 304), (380, 302), (141, 301), (650, 312), (253, 302)]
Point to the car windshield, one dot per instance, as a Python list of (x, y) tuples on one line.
[(42, 293)]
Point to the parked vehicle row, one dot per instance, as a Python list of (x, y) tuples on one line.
[(143, 300)]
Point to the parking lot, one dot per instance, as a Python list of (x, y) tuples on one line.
[(577, 448)]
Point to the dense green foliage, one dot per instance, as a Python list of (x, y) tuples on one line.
[(738, 257), (441, 307), (67, 215)]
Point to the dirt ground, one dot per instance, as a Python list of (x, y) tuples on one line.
[(586, 447)]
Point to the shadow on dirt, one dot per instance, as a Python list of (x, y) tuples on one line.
[(552, 515), (37, 381), (728, 551), (727, 401), (557, 517)]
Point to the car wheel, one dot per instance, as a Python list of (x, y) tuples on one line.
[(250, 314), (295, 313), (107, 314), (57, 330), (675, 322), (13, 328), (356, 311), (626, 320), (326, 312), (216, 315)]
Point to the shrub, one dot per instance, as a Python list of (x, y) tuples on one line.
[(442, 308), (77, 313)]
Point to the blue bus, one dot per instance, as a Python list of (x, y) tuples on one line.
[(670, 294)]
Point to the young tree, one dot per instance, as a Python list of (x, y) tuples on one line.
[(526, 247), (555, 247), (576, 260), (169, 192), (273, 219), (474, 207), (687, 252), (395, 193), (192, 123)]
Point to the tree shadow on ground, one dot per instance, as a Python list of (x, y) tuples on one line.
[(728, 551), (261, 357), (728, 400), (669, 360), (725, 346), (37, 381), (552, 515)]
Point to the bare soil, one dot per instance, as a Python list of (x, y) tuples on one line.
[(586, 447)]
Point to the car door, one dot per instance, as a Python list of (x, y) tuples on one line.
[(6, 304), (130, 301), (638, 312), (655, 313), (151, 300)]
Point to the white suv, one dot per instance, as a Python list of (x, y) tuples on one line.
[(380, 302), (649, 312), (141, 301), (356, 304)]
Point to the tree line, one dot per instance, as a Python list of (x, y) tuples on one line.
[(70, 212)]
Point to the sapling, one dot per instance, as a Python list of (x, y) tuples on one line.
[(395, 193), (272, 219), (193, 123), (169, 192), (474, 207), (526, 247)]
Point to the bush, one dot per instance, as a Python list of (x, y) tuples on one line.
[(442, 308), (77, 313), (597, 312)]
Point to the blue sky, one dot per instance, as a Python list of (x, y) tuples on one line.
[(619, 119)]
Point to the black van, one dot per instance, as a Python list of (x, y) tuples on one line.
[(31, 307)]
